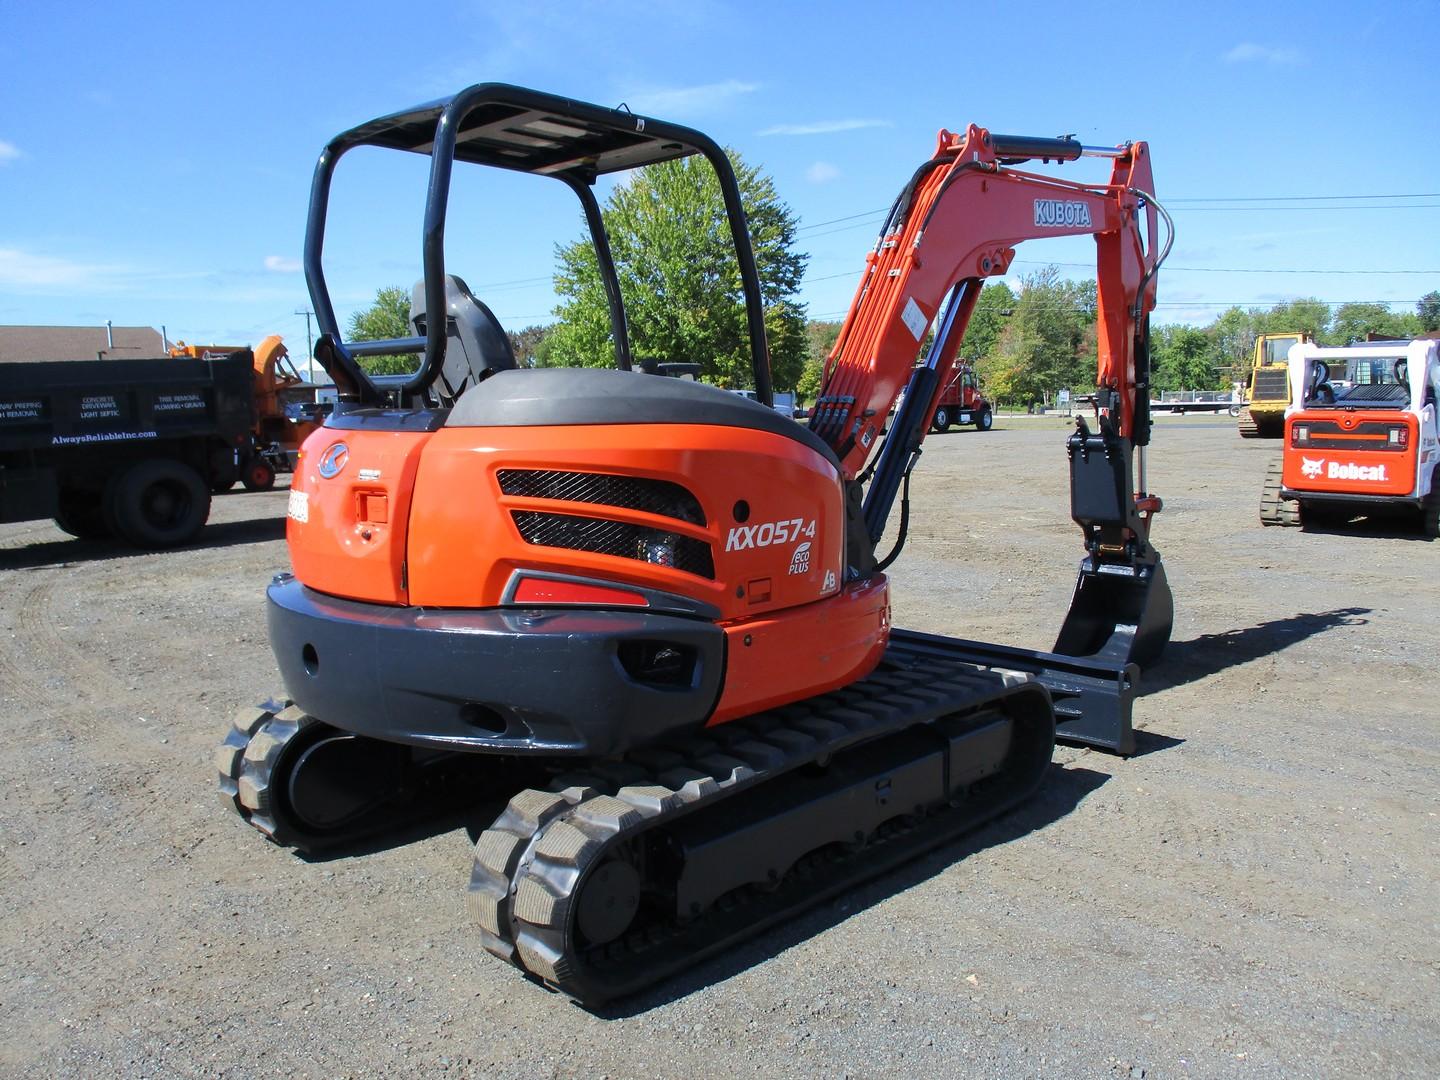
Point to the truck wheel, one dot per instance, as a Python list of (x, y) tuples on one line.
[(942, 419), (158, 503), (81, 514), (985, 421), (258, 475)]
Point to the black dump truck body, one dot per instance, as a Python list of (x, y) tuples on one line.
[(124, 448)]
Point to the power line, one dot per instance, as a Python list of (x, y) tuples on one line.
[(1293, 198), (1236, 270)]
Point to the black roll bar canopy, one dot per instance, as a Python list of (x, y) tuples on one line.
[(510, 127)]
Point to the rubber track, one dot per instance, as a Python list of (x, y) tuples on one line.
[(1275, 510), (255, 746), (246, 761), (1246, 424), (529, 864)]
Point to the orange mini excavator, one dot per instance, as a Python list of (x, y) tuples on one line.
[(651, 614)]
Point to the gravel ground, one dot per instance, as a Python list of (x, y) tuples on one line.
[(1255, 894)]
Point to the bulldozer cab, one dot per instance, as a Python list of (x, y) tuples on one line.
[(521, 130)]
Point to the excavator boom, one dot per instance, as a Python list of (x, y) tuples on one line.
[(957, 222)]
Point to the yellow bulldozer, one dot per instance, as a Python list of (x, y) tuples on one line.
[(1263, 414)]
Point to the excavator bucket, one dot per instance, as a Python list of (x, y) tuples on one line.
[(1118, 613), (1122, 609)]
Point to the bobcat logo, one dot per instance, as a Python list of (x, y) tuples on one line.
[(1312, 469)]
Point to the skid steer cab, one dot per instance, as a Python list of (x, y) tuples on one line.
[(1360, 437)]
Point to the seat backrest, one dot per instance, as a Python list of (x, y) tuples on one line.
[(476, 345)]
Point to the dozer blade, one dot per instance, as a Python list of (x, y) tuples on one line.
[(1092, 696)]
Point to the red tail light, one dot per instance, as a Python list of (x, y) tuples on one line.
[(534, 590)]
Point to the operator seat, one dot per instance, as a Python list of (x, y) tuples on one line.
[(476, 344)]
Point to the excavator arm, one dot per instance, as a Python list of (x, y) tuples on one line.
[(956, 223)]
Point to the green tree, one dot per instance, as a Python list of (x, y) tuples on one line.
[(387, 317), (1308, 316), (1427, 309), (1049, 335), (670, 240), (1183, 358), (531, 345), (1356, 322), (994, 306), (819, 340)]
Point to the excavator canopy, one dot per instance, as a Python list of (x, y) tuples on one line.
[(509, 127)]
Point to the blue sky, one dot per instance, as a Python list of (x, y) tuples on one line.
[(155, 158)]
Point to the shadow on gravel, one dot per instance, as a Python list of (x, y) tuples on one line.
[(62, 552), (1369, 528), (1190, 661), (474, 819), (1150, 742), (1062, 791)]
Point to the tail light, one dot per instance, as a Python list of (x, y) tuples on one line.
[(544, 590), (1400, 437), (1300, 435)]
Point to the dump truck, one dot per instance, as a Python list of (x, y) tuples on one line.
[(122, 448), (962, 402), (1263, 414), (1361, 437), (285, 413)]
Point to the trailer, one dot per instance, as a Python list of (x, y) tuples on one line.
[(129, 449), (1197, 401)]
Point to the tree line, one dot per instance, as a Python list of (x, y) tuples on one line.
[(673, 255)]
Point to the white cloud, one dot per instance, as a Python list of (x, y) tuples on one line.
[(683, 99), (282, 264), (823, 127), (1248, 52), (21, 270), (9, 152), (822, 172)]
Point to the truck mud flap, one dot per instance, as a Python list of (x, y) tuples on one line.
[(1092, 695)]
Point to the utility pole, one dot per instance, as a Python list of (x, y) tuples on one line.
[(309, 346)]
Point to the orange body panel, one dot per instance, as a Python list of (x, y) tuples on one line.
[(843, 639), (347, 531), (786, 552), (1344, 465)]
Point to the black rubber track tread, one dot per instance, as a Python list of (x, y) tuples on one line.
[(551, 865), (253, 760), (1274, 508)]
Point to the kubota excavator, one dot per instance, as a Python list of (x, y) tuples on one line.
[(655, 609)]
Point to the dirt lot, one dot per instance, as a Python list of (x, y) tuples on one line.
[(1253, 895)]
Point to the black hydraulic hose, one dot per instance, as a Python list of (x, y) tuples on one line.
[(904, 517)]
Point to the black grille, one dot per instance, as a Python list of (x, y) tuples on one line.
[(616, 538), (1271, 385), (1376, 395), (632, 492)]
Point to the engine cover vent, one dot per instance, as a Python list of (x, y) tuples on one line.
[(651, 496), (616, 538)]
